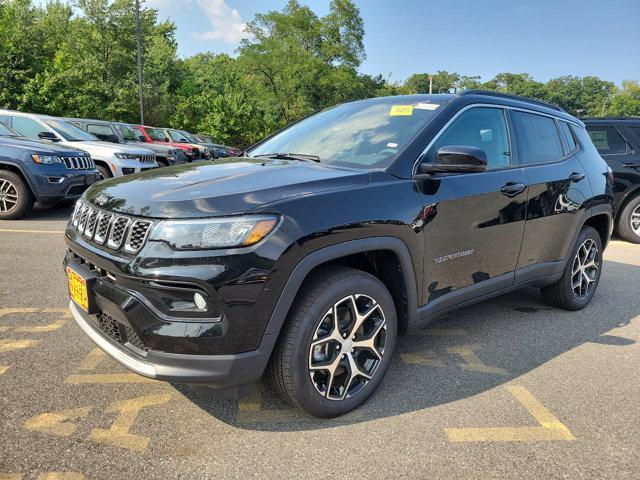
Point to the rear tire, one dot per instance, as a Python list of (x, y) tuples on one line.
[(366, 314), (629, 221), (16, 199), (581, 276), (103, 172)]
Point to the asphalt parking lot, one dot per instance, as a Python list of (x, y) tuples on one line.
[(508, 388)]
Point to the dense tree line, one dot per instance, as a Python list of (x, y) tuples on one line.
[(80, 60)]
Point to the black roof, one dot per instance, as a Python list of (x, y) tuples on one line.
[(609, 120)]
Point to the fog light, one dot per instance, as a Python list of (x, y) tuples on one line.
[(200, 302)]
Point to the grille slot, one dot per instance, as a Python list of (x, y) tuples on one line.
[(137, 235), (92, 220), (103, 227), (82, 220), (118, 231)]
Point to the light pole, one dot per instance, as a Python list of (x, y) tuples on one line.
[(139, 42)]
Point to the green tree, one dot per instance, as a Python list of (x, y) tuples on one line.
[(626, 101), (443, 82)]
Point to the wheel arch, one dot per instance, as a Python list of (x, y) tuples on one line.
[(18, 170), (383, 257)]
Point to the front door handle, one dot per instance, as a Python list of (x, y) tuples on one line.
[(511, 189), (576, 176), (631, 165)]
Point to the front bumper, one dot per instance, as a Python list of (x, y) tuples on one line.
[(58, 185), (216, 371)]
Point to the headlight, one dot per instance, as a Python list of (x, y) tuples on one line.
[(214, 232), (127, 156), (46, 159)]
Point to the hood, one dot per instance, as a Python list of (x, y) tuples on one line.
[(33, 146), (98, 146), (208, 189)]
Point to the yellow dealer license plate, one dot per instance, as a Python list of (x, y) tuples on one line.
[(78, 289)]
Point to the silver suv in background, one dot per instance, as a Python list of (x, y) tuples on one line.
[(122, 133), (111, 160)]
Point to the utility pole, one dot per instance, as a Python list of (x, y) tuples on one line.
[(139, 42), (430, 84)]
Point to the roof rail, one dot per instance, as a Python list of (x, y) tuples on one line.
[(514, 97)]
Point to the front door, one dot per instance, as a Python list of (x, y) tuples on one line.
[(474, 229)]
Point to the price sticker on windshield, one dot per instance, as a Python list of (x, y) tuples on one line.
[(401, 110)]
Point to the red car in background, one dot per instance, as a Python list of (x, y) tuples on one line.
[(157, 135)]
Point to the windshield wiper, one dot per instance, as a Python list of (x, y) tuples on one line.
[(291, 156)]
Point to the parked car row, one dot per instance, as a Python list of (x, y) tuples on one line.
[(48, 159)]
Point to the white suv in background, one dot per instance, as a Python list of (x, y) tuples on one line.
[(111, 160)]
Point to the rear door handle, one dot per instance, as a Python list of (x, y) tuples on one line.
[(630, 165), (511, 189), (576, 176)]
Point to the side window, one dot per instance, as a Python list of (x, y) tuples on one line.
[(480, 127), (103, 132), (27, 127), (568, 136), (537, 138), (607, 140), (4, 119)]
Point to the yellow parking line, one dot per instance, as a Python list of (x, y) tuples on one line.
[(57, 423), (16, 230), (60, 476), (118, 434), (4, 368), (426, 358), (84, 378), (11, 476), (12, 344), (92, 360), (473, 363), (549, 427)]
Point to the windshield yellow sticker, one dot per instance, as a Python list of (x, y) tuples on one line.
[(398, 110)]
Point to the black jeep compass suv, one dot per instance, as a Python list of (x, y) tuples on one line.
[(618, 142), (308, 255)]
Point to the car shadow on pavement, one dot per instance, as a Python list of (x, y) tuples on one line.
[(57, 212), (461, 354)]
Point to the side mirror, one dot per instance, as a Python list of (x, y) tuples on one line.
[(456, 159), (49, 136), (183, 140)]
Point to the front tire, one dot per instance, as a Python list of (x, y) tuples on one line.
[(629, 221), (16, 199), (337, 342), (103, 172), (581, 276)]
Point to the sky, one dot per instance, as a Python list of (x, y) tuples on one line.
[(546, 38)]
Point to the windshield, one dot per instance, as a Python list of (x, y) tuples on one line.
[(369, 134), (7, 132), (190, 137), (176, 136), (70, 132), (127, 132), (157, 134)]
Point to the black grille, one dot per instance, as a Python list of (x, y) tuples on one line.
[(120, 333), (137, 235), (134, 339), (110, 327), (128, 171)]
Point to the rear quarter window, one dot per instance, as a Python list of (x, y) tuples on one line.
[(537, 138), (607, 140), (568, 136)]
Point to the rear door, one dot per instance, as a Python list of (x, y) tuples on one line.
[(558, 188), (473, 234)]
